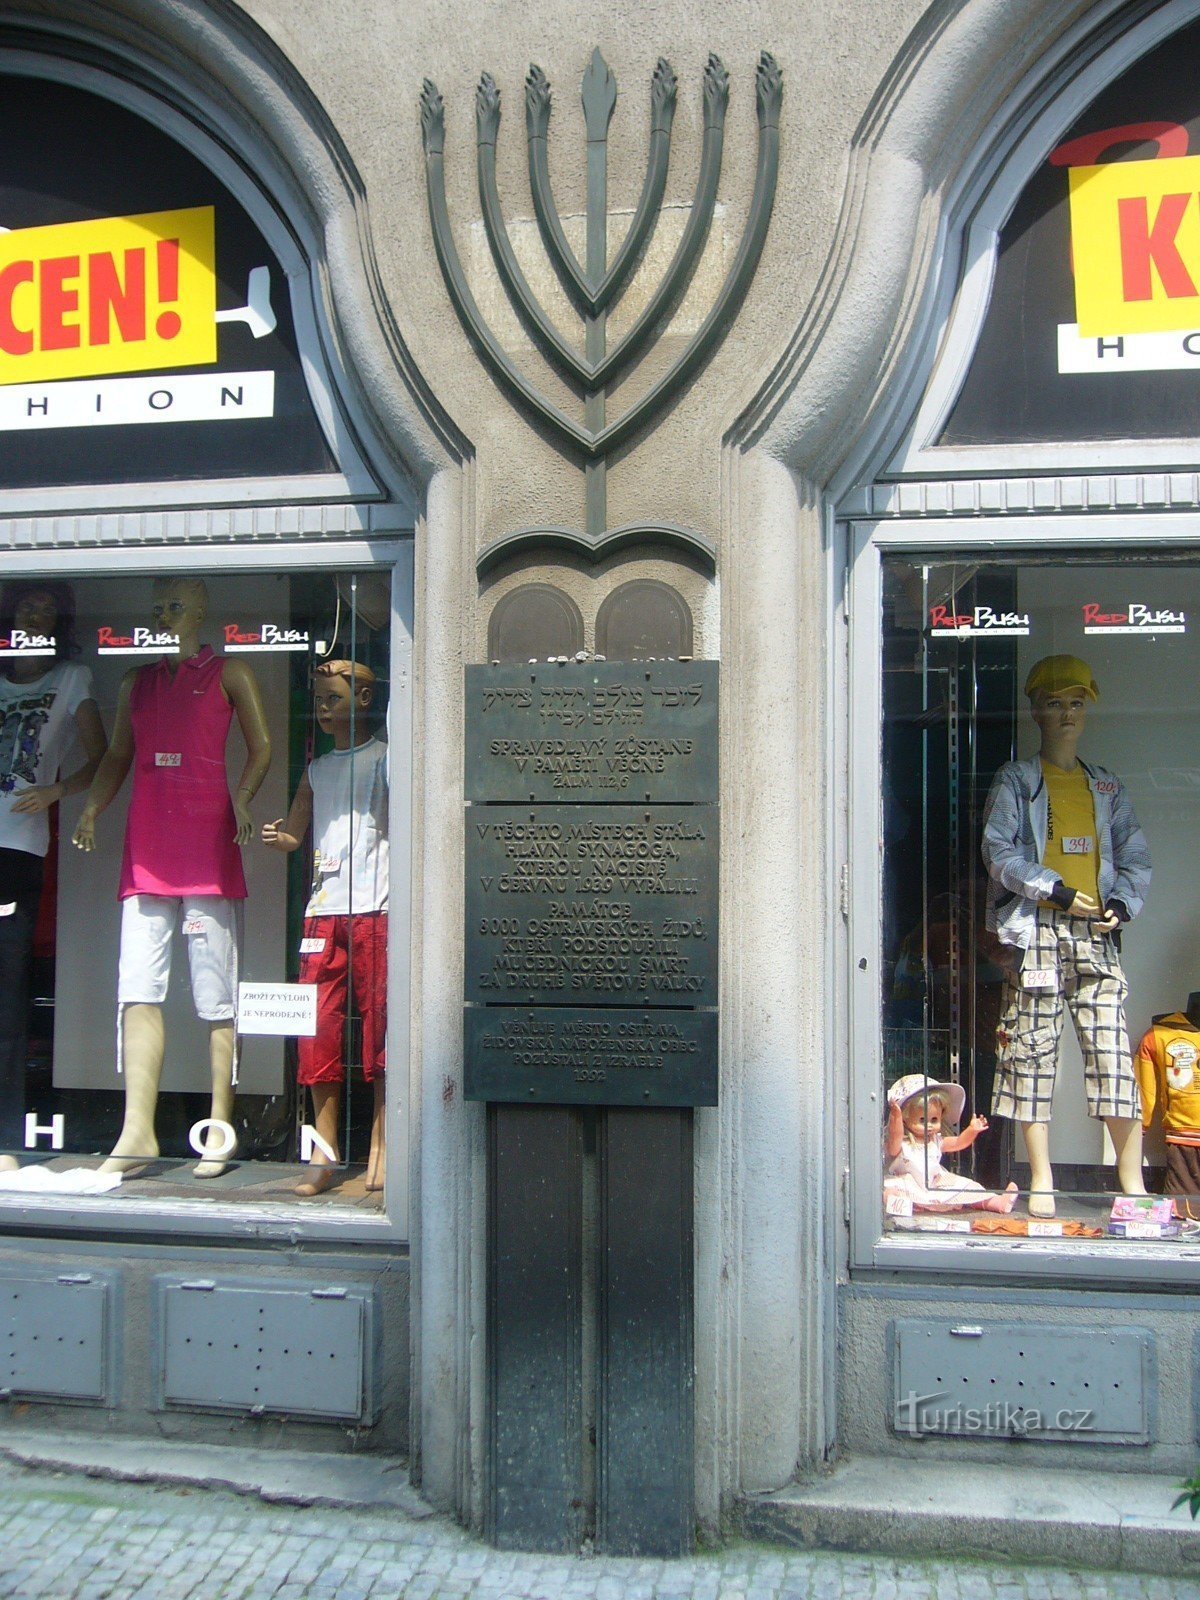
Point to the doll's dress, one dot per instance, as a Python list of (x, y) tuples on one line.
[(917, 1172)]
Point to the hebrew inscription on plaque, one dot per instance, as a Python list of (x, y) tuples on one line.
[(591, 921), (599, 731)]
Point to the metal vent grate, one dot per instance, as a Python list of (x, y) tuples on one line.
[(1022, 1380), (257, 1348), (54, 1336)]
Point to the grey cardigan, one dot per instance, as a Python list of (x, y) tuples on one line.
[(1014, 838)]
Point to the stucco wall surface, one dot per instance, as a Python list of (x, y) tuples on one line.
[(365, 64)]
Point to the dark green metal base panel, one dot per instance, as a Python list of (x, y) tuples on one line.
[(645, 1467), (535, 1448)]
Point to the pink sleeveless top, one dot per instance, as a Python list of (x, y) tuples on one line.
[(179, 836)]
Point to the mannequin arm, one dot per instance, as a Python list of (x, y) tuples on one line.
[(289, 835), (894, 1139), (965, 1139), (241, 688), (112, 771), (94, 741)]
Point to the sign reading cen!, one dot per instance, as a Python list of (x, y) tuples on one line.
[(1135, 245), (117, 294)]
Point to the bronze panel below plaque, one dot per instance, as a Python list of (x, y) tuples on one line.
[(591, 1056)]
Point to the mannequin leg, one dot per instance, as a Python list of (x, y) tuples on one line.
[(1126, 1135), (1041, 1176), (221, 1041), (326, 1099), (143, 1042), (377, 1159)]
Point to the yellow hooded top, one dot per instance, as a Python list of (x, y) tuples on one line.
[(1168, 1072)]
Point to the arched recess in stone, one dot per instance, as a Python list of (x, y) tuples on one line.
[(643, 617), (536, 620)]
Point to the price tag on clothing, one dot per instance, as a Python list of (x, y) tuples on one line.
[(1039, 978), (328, 865), (168, 758), (193, 926), (1079, 844), (311, 947)]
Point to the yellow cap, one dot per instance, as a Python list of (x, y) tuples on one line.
[(1053, 674)]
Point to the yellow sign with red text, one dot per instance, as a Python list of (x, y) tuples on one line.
[(117, 294), (1135, 246)]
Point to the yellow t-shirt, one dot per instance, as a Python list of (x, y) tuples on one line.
[(1168, 1072), (1072, 849)]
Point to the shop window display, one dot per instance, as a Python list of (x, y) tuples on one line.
[(168, 1025), (1040, 811)]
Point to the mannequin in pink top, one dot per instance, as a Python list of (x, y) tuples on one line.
[(182, 855)]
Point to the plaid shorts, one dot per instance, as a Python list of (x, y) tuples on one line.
[(1084, 970)]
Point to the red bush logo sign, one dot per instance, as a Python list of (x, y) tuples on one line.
[(978, 621), (1132, 618)]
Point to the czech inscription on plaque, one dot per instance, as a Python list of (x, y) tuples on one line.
[(591, 905), (593, 731), (602, 1057)]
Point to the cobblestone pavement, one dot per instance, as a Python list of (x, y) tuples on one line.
[(74, 1538)]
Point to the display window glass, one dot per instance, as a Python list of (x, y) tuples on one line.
[(1041, 912), (194, 881)]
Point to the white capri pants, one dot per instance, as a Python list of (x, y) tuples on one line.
[(212, 928)]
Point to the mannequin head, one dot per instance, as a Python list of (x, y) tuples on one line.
[(179, 606), (38, 605), (342, 695), (1061, 689)]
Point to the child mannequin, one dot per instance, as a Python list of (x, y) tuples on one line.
[(914, 1146), (344, 795)]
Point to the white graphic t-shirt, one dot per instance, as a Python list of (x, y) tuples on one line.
[(37, 728), (350, 828)]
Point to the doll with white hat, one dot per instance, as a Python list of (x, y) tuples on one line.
[(918, 1110)]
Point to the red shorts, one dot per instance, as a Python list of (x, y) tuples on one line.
[(351, 962)]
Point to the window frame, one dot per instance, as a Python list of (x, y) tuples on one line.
[(862, 546), (280, 1221)]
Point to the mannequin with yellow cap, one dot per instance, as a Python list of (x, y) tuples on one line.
[(1068, 865)]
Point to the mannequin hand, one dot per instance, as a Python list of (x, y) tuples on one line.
[(38, 799), (1106, 922), (976, 1126), (1084, 905), (245, 823), (84, 837), (274, 838)]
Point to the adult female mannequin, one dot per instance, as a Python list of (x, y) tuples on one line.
[(181, 854), (1068, 865), (45, 706)]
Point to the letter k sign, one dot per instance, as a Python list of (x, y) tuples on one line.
[(1135, 246)]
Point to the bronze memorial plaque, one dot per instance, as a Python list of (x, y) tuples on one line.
[(593, 731), (592, 905), (591, 883)]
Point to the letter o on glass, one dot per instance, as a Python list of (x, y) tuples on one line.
[(198, 1130)]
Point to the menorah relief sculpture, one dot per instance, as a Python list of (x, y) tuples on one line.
[(596, 285)]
